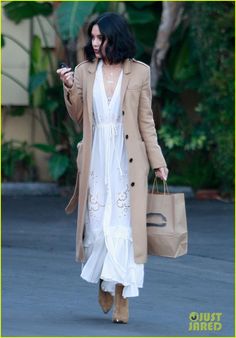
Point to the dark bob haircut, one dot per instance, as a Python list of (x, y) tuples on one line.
[(120, 41)]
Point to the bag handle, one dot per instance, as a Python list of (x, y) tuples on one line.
[(165, 186)]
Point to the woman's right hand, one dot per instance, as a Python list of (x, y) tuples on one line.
[(66, 76)]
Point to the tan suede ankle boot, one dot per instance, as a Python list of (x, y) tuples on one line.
[(121, 310), (105, 299)]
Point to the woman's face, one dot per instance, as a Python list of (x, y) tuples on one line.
[(97, 41)]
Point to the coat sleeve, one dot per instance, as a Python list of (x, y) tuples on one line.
[(74, 97), (147, 125)]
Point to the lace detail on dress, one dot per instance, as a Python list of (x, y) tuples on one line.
[(93, 203), (122, 201)]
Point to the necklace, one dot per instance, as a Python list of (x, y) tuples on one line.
[(111, 76), (111, 72)]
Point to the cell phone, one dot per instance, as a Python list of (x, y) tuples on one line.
[(63, 65)]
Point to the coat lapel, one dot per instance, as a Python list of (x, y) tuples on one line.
[(90, 81), (125, 80)]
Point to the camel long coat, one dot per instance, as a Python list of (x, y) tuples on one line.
[(140, 138)]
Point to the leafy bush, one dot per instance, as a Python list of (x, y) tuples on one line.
[(212, 30), (17, 161), (197, 88)]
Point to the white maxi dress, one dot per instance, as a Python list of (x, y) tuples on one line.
[(108, 238)]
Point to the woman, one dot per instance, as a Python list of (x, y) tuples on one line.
[(110, 94)]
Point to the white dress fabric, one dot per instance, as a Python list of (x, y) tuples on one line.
[(108, 237)]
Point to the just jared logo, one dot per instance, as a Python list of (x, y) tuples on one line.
[(205, 321)]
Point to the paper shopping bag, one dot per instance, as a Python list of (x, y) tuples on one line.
[(167, 233)]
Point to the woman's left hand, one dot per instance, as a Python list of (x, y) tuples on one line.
[(162, 173)]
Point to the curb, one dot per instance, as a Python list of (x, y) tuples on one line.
[(52, 189), (30, 189)]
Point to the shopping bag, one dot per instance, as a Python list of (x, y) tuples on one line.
[(167, 233)]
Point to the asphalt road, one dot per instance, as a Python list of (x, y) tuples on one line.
[(43, 294)]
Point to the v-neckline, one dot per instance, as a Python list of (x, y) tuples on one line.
[(103, 85)]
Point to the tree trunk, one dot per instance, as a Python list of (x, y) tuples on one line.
[(170, 19)]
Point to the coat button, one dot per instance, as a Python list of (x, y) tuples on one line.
[(123, 113), (126, 136), (132, 184), (131, 160)]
